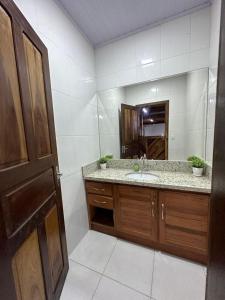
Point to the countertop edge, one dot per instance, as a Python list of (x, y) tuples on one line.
[(153, 185)]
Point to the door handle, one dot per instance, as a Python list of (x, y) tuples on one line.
[(58, 174), (100, 202), (153, 209), (124, 148), (162, 211), (98, 190)]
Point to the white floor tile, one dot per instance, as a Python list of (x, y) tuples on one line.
[(131, 265), (80, 284), (176, 279), (94, 250), (111, 290)]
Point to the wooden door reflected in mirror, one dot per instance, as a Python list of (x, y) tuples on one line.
[(144, 130)]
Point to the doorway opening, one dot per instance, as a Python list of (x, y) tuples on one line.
[(144, 130)]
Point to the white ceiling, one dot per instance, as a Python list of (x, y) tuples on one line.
[(106, 20)]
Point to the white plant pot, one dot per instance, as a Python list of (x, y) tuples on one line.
[(197, 171), (103, 166)]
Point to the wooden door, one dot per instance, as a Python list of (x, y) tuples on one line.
[(33, 254), (129, 131), (136, 212), (215, 288), (183, 221), (154, 146)]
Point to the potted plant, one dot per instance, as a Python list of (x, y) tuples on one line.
[(103, 162), (109, 156), (198, 165)]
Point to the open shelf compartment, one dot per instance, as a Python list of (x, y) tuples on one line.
[(102, 219)]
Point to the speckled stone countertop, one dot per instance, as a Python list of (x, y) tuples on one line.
[(167, 180)]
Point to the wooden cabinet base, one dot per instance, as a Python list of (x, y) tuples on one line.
[(202, 259), (103, 228), (175, 222)]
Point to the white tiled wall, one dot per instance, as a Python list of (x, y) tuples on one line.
[(213, 64), (174, 47), (109, 106), (72, 68), (195, 113)]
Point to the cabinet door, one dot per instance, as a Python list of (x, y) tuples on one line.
[(184, 221), (136, 212)]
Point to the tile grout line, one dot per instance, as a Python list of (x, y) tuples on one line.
[(104, 269), (106, 276), (92, 297), (74, 261), (110, 256), (153, 270), (125, 285), (100, 278), (102, 275)]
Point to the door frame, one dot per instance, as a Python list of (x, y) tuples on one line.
[(166, 102), (215, 288)]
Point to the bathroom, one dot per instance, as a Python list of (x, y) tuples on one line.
[(112, 161)]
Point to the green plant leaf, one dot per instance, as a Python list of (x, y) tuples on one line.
[(103, 160)]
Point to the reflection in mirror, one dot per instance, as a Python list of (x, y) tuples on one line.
[(162, 119)]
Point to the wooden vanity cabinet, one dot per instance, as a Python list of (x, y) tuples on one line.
[(172, 221), (136, 212), (183, 221), (100, 202)]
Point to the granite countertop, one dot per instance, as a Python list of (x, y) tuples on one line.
[(167, 180)]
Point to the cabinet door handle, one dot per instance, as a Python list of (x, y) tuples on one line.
[(163, 206), (100, 202), (153, 209), (97, 189)]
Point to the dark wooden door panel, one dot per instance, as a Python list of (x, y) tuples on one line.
[(129, 131), (24, 201), (12, 136), (184, 221), (54, 245), (37, 96), (136, 212), (27, 270), (32, 230), (155, 148)]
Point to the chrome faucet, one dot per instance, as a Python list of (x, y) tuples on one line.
[(143, 159)]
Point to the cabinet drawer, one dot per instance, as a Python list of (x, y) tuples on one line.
[(100, 201), (99, 188), (137, 193)]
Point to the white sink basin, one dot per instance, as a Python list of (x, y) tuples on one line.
[(143, 176)]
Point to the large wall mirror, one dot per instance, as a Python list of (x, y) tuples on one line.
[(167, 118)]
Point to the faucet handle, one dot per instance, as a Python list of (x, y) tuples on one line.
[(143, 157)]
